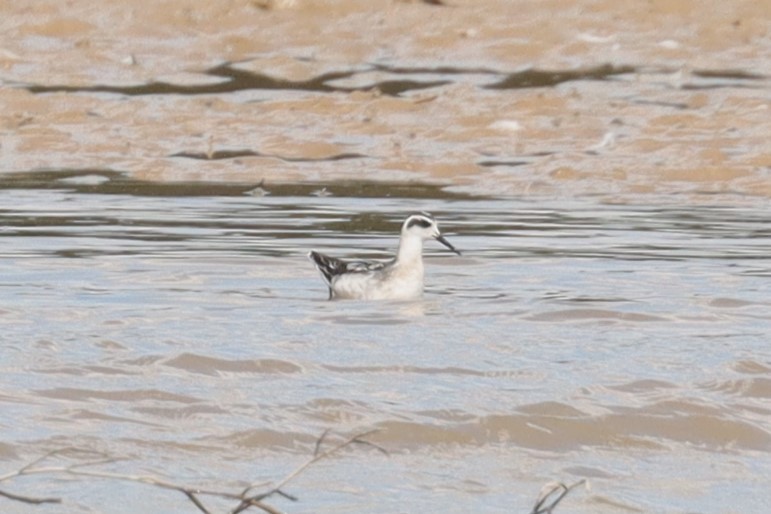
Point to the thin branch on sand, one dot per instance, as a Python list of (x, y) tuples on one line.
[(551, 495)]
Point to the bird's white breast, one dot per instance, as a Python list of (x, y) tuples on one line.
[(396, 283)]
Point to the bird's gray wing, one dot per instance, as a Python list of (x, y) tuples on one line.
[(331, 267), (364, 266)]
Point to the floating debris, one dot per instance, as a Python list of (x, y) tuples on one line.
[(506, 125), (321, 192), (259, 190), (608, 141), (85, 180)]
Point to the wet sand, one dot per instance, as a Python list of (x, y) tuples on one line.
[(614, 99)]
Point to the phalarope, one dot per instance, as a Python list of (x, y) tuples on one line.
[(401, 278)]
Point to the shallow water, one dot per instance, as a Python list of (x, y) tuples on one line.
[(184, 329)]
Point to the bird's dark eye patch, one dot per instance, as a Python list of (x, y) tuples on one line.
[(417, 220)]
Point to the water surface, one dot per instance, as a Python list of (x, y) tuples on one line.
[(183, 329)]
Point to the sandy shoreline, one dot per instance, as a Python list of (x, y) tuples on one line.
[(414, 91)]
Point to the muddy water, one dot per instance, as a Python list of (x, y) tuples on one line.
[(604, 166), (185, 330)]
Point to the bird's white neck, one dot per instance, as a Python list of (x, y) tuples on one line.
[(410, 249)]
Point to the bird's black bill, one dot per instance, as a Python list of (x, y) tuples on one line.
[(446, 243)]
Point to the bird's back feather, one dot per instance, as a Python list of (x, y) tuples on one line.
[(331, 267)]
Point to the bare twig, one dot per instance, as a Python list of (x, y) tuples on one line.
[(193, 498), (249, 500), (551, 495), (29, 499), (320, 441), (97, 458), (35, 467), (194, 494), (256, 503)]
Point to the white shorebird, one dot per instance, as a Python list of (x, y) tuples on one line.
[(401, 278)]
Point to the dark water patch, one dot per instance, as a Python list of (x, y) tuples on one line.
[(397, 87), (235, 154), (234, 79), (508, 164), (206, 365), (713, 79), (238, 80), (119, 215), (730, 74), (120, 183), (434, 70), (681, 106), (534, 78), (244, 80)]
